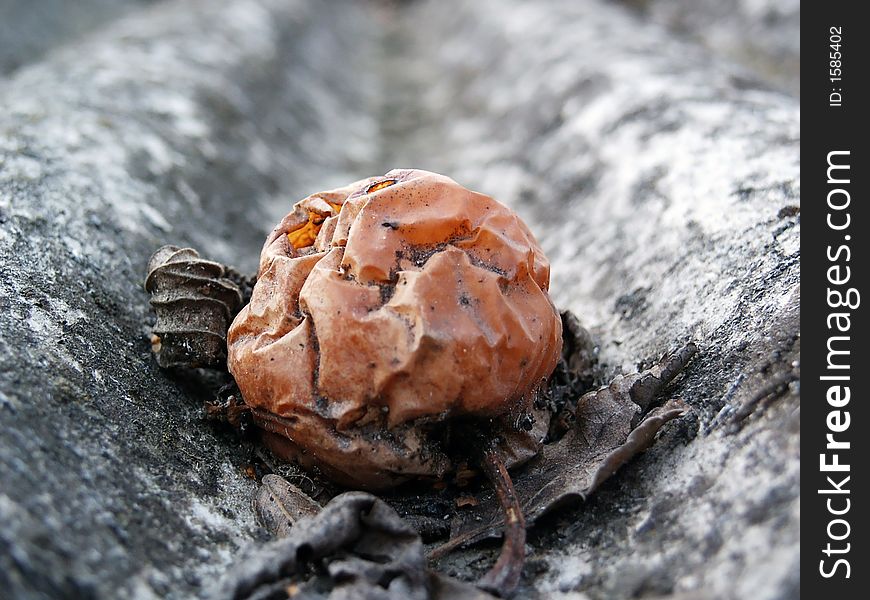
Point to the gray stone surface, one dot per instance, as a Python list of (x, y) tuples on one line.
[(29, 29), (762, 35), (663, 184), (664, 191), (193, 123)]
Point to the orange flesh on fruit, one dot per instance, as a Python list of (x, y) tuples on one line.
[(375, 187), (304, 236)]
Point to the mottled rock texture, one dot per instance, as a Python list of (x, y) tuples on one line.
[(662, 182), (762, 35), (30, 29)]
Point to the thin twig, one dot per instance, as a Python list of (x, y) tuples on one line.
[(504, 576)]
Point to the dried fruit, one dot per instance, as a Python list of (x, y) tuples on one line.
[(400, 328), (386, 310)]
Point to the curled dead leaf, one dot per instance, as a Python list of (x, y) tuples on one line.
[(195, 300), (570, 469), (355, 547), (279, 505), (463, 501)]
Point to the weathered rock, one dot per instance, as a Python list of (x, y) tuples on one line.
[(194, 123), (666, 193), (764, 35), (30, 29), (662, 184)]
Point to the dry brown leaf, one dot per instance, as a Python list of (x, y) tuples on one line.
[(279, 505), (573, 467), (464, 501), (355, 547)]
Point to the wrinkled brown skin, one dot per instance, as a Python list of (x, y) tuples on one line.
[(417, 302)]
